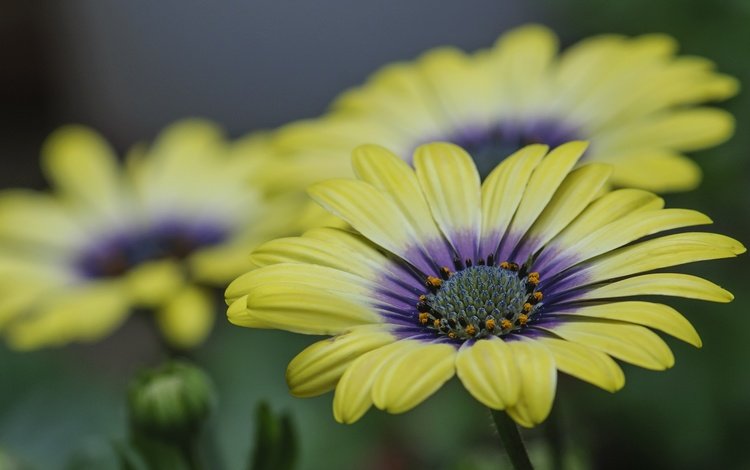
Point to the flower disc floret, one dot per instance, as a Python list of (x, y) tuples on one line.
[(480, 301)]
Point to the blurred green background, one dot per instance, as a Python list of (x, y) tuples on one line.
[(65, 405)]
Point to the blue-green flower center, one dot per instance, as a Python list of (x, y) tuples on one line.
[(479, 301)]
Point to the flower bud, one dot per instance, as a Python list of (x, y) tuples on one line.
[(171, 401)]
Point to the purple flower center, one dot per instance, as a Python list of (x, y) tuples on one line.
[(489, 146), (120, 253)]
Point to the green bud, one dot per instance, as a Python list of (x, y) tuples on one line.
[(171, 401)]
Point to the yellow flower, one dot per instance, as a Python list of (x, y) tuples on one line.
[(637, 103), (177, 217), (502, 283)]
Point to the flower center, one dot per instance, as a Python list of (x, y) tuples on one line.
[(489, 146), (479, 301), (117, 255)]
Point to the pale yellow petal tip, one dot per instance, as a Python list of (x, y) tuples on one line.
[(71, 134), (574, 146), (732, 86), (315, 190), (531, 32), (533, 149), (187, 320), (192, 128), (345, 418), (70, 140), (442, 53), (237, 313), (367, 152), (522, 417), (439, 148), (618, 384), (664, 43), (349, 413)]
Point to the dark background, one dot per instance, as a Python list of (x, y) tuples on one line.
[(128, 68)]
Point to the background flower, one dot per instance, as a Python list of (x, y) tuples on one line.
[(500, 284), (178, 216), (636, 102)]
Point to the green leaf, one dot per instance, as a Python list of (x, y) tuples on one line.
[(275, 441)]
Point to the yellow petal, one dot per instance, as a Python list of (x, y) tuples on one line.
[(302, 309), (20, 297), (536, 366), (502, 191), (367, 209), (519, 62), (353, 395), (686, 130), (545, 180), (82, 313), (219, 264), (585, 363), (450, 183), (323, 251), (82, 165), (407, 380), (27, 217), (316, 277), (458, 89), (152, 283), (662, 252), (658, 316), (319, 367), (238, 309), (666, 172), (576, 191), (630, 343), (623, 231), (488, 371), (608, 208), (391, 174), (673, 284), (187, 319)]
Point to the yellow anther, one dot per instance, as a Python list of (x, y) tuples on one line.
[(451, 335), (489, 324), (436, 323), (434, 282), (424, 318), (537, 296), (523, 319), (527, 307), (509, 265), (533, 278), (505, 324), (423, 298), (471, 330), (445, 272)]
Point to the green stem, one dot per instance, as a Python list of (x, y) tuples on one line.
[(511, 439), (189, 450), (554, 436)]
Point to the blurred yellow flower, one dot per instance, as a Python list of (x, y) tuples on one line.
[(637, 103), (153, 233), (501, 283)]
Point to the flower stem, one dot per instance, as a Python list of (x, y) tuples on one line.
[(511, 439)]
